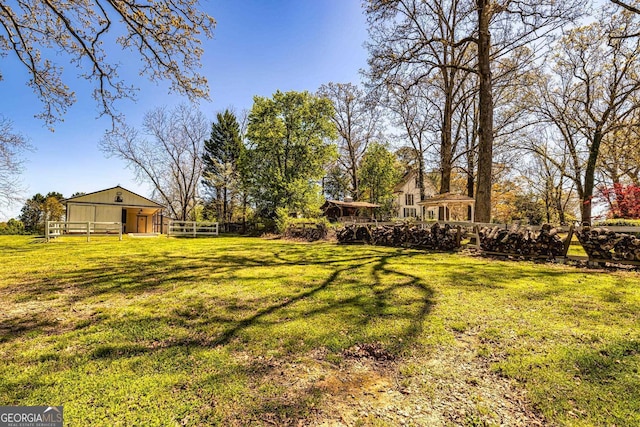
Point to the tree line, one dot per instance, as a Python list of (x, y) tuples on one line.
[(278, 159), (35, 213), (529, 107)]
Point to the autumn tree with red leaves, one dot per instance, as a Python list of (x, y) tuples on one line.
[(623, 200)]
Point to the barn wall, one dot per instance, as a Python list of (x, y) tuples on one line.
[(80, 213), (108, 205), (108, 213), (106, 196)]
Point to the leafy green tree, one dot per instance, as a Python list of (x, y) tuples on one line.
[(379, 174), (289, 136), (12, 226), (221, 156), (31, 213), (530, 209), (52, 209), (336, 183), (39, 209)]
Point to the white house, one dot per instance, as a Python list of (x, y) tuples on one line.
[(407, 197)]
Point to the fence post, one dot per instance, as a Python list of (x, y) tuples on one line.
[(119, 231), (46, 231), (88, 231)]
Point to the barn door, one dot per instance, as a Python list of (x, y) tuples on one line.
[(142, 224), (123, 220)]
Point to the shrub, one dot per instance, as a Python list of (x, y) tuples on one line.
[(13, 226), (624, 201), (618, 222)]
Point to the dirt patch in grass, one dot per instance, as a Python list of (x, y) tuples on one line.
[(450, 386), (373, 351), (369, 386)]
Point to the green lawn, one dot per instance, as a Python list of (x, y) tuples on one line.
[(247, 331)]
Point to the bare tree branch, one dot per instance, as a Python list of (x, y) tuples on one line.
[(12, 145), (164, 33), (627, 6), (166, 154)]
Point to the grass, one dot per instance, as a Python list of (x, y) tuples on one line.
[(244, 331)]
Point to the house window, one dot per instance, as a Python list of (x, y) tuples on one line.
[(410, 213), (408, 199), (431, 214)]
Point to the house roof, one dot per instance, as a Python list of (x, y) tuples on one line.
[(350, 204), (86, 198), (440, 199), (408, 176), (405, 178)]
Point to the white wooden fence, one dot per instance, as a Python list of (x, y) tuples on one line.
[(57, 228), (192, 228)]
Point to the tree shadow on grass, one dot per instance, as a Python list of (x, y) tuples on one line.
[(291, 407), (359, 291), (426, 302), (140, 276), (604, 390), (14, 327), (245, 323)]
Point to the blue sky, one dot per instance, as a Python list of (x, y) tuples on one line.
[(258, 47)]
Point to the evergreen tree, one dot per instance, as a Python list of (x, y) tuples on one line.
[(221, 158), (39, 209)]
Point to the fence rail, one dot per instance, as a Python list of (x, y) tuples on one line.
[(192, 228), (55, 229)]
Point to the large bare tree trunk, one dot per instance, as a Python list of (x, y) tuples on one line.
[(445, 147), (446, 156), (589, 177), (423, 194), (485, 142)]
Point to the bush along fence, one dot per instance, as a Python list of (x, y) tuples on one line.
[(442, 237)]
